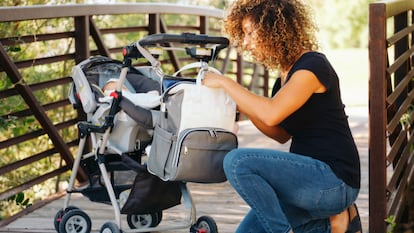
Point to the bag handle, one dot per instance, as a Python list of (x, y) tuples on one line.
[(203, 65), (200, 75)]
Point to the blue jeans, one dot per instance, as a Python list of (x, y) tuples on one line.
[(286, 191)]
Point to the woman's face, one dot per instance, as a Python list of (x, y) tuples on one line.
[(249, 34), (250, 38)]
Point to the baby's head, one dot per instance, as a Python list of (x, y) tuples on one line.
[(112, 85)]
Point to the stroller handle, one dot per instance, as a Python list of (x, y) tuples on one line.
[(185, 38), (133, 50)]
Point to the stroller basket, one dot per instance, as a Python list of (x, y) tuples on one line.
[(121, 177)]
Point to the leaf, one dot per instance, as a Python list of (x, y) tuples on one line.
[(3, 123), (11, 198), (26, 202), (14, 49), (19, 198)]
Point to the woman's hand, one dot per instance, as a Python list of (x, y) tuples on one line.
[(212, 79)]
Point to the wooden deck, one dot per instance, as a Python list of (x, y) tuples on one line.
[(216, 200)]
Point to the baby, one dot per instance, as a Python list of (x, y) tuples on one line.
[(150, 99)]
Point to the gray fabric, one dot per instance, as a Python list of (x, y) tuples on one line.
[(141, 115), (172, 117), (193, 155)]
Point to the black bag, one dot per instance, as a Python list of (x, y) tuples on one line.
[(150, 194)]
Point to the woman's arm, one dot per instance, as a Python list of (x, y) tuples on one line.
[(269, 111), (274, 132)]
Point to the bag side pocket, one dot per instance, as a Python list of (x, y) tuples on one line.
[(201, 154), (160, 154)]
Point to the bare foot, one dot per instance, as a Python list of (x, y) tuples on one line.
[(339, 222)]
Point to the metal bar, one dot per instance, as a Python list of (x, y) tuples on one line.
[(75, 167)]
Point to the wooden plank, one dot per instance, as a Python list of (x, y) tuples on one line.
[(8, 14), (394, 7), (377, 119)]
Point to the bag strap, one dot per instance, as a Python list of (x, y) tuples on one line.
[(204, 67), (144, 52)]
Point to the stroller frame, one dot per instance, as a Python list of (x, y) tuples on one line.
[(74, 219)]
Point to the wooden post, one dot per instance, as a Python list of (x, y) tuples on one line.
[(203, 25), (377, 117), (154, 23), (82, 38)]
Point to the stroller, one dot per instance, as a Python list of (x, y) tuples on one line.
[(119, 125)]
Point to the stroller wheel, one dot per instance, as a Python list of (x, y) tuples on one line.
[(110, 227), (159, 215), (59, 216), (139, 221), (75, 221), (205, 224)]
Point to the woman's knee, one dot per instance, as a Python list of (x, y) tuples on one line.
[(229, 155), (229, 160), (233, 161)]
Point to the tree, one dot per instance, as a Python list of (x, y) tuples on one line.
[(350, 27)]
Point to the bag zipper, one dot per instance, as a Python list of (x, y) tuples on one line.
[(212, 131)]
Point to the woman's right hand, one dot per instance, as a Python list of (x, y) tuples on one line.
[(212, 79)]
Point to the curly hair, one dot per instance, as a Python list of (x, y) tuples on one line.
[(284, 28)]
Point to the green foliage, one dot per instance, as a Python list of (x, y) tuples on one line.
[(5, 123), (406, 122), (391, 223), (14, 203), (342, 24), (20, 200)]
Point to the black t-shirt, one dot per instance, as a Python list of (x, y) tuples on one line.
[(320, 127)]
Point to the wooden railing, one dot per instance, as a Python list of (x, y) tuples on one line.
[(391, 103), (83, 36)]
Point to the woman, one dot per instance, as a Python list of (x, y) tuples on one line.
[(313, 187)]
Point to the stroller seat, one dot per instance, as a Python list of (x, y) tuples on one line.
[(133, 125)]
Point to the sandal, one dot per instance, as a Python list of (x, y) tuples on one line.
[(354, 225)]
